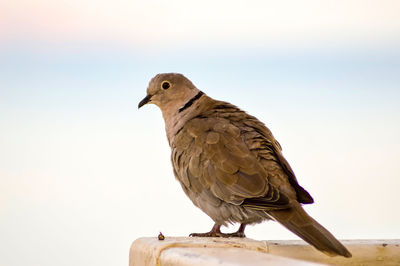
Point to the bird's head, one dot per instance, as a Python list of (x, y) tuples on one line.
[(169, 91)]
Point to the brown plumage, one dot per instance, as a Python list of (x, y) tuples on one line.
[(230, 165)]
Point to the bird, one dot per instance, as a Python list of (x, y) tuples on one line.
[(230, 165)]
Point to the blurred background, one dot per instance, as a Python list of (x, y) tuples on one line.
[(83, 173)]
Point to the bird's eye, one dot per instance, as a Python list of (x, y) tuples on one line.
[(165, 85)]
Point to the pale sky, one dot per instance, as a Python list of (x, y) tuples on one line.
[(84, 173), (158, 23)]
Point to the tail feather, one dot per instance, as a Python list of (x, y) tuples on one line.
[(299, 222)]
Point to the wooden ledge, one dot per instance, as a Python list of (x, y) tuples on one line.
[(185, 251)]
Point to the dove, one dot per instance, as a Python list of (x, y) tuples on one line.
[(230, 165)]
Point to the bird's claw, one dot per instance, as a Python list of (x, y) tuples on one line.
[(208, 234), (218, 234), (236, 234)]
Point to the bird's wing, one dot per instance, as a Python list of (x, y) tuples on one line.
[(209, 153), (262, 143)]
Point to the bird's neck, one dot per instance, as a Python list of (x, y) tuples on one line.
[(176, 117)]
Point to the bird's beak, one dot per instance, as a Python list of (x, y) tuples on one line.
[(145, 100)]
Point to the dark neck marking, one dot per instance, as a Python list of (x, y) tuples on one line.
[(191, 101)]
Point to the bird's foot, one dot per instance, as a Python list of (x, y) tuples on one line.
[(216, 232), (208, 234), (235, 234)]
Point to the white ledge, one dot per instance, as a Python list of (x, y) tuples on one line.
[(185, 251)]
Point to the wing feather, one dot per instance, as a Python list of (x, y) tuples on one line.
[(218, 160)]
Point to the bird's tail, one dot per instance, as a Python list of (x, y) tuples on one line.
[(299, 222)]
